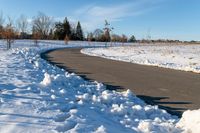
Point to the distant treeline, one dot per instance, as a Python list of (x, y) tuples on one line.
[(44, 27), (166, 41)]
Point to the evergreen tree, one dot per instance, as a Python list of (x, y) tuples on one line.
[(59, 31), (79, 32), (73, 34), (132, 39), (67, 28), (62, 30)]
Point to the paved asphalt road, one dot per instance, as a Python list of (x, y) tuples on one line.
[(175, 91)]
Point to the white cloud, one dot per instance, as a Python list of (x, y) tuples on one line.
[(93, 16)]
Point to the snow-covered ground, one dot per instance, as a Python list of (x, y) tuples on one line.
[(179, 57), (38, 97)]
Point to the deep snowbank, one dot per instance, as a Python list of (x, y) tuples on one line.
[(190, 121), (179, 57), (38, 97)]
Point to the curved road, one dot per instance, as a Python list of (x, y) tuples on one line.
[(172, 90)]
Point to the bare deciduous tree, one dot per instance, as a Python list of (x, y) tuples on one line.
[(98, 33), (8, 33), (66, 40), (22, 24), (115, 38), (1, 24), (1, 19), (35, 36), (90, 37), (42, 24), (124, 39), (118, 38), (107, 29)]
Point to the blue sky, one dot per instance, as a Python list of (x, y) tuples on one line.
[(168, 19)]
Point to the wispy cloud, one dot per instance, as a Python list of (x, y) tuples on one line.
[(91, 16)]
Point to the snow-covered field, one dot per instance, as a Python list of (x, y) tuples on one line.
[(179, 57), (38, 97)]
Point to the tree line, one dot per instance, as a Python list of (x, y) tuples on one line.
[(43, 27)]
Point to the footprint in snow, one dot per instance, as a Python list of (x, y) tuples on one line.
[(61, 117), (67, 126)]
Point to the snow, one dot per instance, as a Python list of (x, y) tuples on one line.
[(37, 97), (101, 129), (47, 79), (190, 121), (180, 57)]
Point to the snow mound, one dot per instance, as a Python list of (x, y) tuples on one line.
[(100, 129), (190, 121), (47, 79)]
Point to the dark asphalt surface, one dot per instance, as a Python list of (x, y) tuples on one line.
[(172, 90)]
